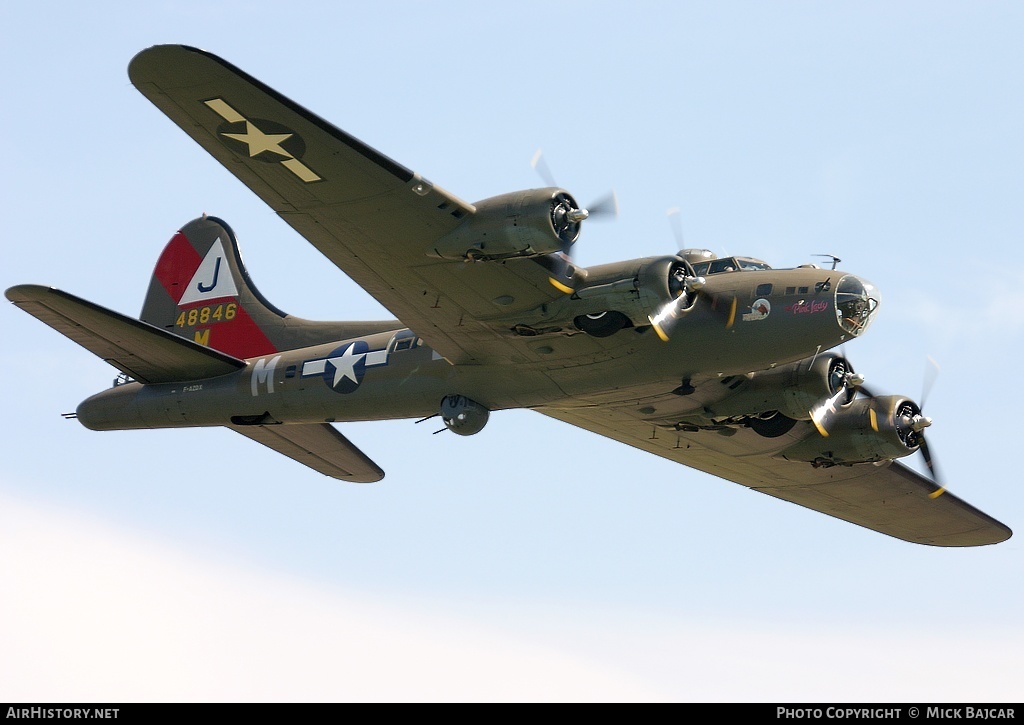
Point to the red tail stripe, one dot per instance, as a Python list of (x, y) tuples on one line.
[(178, 262), (240, 336)]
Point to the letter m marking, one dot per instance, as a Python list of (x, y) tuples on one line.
[(263, 374)]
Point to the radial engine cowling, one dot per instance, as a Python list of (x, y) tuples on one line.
[(793, 390), (866, 430), (628, 290), (520, 224), (462, 415)]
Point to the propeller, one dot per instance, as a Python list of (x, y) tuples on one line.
[(911, 420), (675, 220), (668, 315), (931, 372), (541, 167), (846, 381), (560, 264), (688, 290)]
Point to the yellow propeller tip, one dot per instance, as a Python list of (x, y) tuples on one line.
[(732, 314), (560, 287), (938, 492)]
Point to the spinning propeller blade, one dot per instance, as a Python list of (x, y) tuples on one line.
[(913, 420), (560, 264), (538, 164), (665, 318), (722, 306)]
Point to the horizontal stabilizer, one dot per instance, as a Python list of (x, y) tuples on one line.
[(146, 353), (319, 446)]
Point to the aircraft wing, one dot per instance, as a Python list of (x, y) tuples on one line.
[(891, 499), (374, 218), (138, 349), (319, 446)]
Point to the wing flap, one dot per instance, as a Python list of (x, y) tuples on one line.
[(319, 446), (891, 499), (138, 349)]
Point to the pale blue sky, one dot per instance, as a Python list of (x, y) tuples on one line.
[(532, 561)]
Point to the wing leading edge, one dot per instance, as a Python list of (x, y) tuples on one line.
[(891, 499), (372, 217)]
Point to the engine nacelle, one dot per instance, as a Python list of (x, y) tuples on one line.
[(528, 223), (628, 292), (462, 415), (865, 430), (793, 390)]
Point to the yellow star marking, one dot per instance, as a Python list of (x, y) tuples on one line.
[(258, 142)]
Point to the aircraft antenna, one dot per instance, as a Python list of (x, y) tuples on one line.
[(835, 260)]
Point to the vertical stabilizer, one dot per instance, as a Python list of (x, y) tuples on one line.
[(201, 291)]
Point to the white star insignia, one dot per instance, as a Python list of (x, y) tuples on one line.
[(345, 365)]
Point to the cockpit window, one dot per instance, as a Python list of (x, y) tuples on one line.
[(729, 264), (751, 263)]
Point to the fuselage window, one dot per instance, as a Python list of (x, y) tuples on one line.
[(404, 340)]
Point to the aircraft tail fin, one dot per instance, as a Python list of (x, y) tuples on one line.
[(200, 290)]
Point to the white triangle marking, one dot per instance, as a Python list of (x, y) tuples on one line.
[(212, 280)]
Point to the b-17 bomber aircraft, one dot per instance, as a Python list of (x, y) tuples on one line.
[(724, 365)]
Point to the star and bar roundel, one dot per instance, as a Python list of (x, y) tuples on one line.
[(262, 140), (343, 369)]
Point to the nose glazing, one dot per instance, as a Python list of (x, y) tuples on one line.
[(856, 302)]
